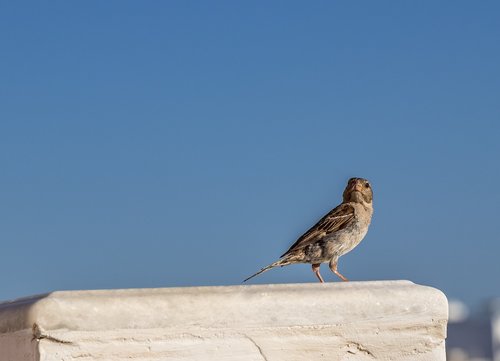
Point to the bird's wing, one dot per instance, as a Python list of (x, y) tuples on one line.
[(335, 220)]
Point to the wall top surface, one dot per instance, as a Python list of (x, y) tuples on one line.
[(248, 306)]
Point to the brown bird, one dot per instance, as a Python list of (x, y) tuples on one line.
[(337, 233)]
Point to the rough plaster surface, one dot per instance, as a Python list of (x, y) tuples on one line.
[(383, 320)]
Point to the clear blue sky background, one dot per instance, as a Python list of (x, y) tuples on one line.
[(178, 143)]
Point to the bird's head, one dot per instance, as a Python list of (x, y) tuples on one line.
[(358, 190)]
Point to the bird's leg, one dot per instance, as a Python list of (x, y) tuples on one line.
[(333, 267), (315, 268)]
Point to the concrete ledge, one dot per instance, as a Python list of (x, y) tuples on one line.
[(383, 320)]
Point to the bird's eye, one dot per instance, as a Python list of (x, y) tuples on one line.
[(367, 185)]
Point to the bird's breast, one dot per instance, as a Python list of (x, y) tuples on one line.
[(345, 240)]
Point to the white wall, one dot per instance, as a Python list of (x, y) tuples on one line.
[(384, 320)]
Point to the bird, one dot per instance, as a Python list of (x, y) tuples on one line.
[(334, 235)]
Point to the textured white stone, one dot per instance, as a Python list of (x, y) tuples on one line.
[(383, 320)]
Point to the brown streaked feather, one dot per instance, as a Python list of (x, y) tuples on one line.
[(281, 263), (335, 220)]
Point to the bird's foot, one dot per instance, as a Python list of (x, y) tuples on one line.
[(315, 268), (334, 270), (341, 277)]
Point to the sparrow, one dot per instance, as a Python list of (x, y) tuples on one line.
[(336, 234)]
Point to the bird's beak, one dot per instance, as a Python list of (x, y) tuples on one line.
[(357, 187)]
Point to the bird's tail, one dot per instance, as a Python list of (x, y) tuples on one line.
[(281, 262)]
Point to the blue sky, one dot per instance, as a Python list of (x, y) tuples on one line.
[(157, 144)]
